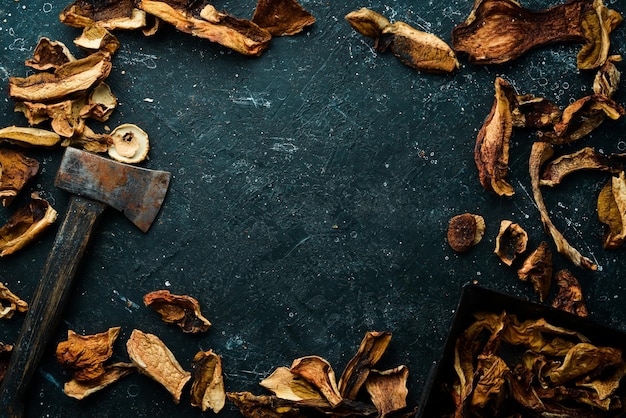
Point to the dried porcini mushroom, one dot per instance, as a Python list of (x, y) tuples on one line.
[(420, 50), (585, 159), (544, 370), (319, 373), (537, 269), (96, 38), (540, 153), (388, 389), (357, 370), (78, 389), (100, 103), (5, 356), (25, 225), (510, 242), (70, 78), (240, 35), (287, 385), (178, 309), (597, 24), (570, 296), (608, 77), (496, 31), (207, 389), (29, 136), (155, 360), (89, 141), (491, 152), (49, 55), (465, 231), (281, 17), (130, 144), (84, 356), (534, 112), (10, 303), (119, 14), (612, 211), (16, 170), (581, 118)]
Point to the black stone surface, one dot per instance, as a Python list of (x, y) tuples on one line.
[(311, 192)]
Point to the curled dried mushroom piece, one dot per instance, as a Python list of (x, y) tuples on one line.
[(25, 225), (585, 159), (537, 270), (152, 358), (570, 296), (130, 144), (16, 170), (181, 310), (10, 303), (319, 373), (287, 385), (78, 389), (611, 208), (207, 389), (511, 241), (388, 389), (49, 55), (84, 355), (29, 136), (608, 77), (417, 49), (119, 14), (465, 231), (281, 17)]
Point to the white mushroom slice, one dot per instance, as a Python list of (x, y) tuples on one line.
[(130, 144)]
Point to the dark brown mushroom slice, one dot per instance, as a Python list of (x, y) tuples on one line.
[(465, 231), (181, 310), (119, 14), (491, 151), (611, 208), (207, 389), (584, 159), (84, 355), (16, 169), (49, 55), (569, 297), (534, 112), (204, 21), (511, 241), (282, 17), (537, 269)]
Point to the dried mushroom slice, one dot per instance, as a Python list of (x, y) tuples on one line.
[(84, 355), (582, 359), (491, 152), (570, 296), (240, 35), (49, 55), (367, 22), (130, 144), (10, 303), (16, 170), (490, 389), (320, 374), (287, 385), (181, 310), (281, 17), (581, 118), (584, 159), (611, 208), (511, 241), (100, 104), (465, 231), (29, 136), (68, 79), (388, 389), (540, 153), (357, 370), (5, 356), (89, 141), (207, 389), (96, 38), (537, 270), (534, 112), (119, 14), (417, 49), (608, 77), (112, 373), (598, 22), (155, 360), (26, 224)]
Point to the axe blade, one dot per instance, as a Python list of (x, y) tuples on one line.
[(136, 192)]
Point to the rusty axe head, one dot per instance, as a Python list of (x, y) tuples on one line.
[(135, 191)]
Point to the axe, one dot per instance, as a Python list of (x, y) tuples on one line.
[(95, 183)]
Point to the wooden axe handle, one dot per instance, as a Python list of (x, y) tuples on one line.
[(48, 301)]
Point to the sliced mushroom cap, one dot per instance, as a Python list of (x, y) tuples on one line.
[(119, 14), (598, 22), (510, 242), (130, 144), (49, 55), (207, 389), (16, 170), (9, 304), (96, 38), (608, 77), (287, 385), (29, 136), (465, 231), (100, 104), (537, 270), (282, 17), (367, 22)]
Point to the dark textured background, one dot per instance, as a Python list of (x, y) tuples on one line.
[(311, 193)]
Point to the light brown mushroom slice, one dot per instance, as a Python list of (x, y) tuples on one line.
[(388, 389), (100, 104), (511, 241), (540, 153), (367, 22), (10, 303), (207, 389), (611, 208), (584, 159), (49, 55), (96, 38), (597, 24), (181, 310), (112, 373), (320, 374), (155, 360), (608, 77), (16, 170), (287, 385), (84, 355), (537, 270), (120, 14), (29, 136), (89, 141), (130, 144)]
